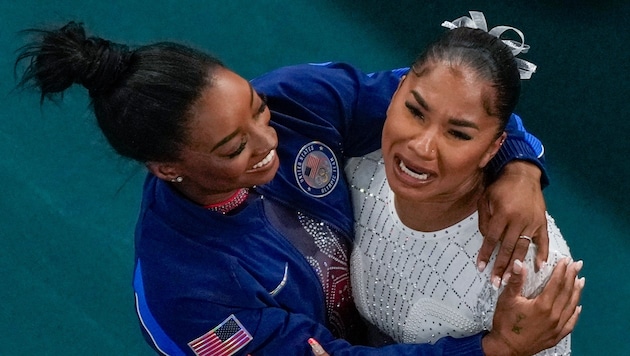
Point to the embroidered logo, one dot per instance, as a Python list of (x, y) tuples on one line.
[(224, 340), (316, 169)]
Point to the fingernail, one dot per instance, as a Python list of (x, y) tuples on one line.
[(582, 282), (316, 347), (579, 309), (496, 282), (481, 266), (505, 279), (578, 265)]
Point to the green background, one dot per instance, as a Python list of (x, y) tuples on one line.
[(68, 204)]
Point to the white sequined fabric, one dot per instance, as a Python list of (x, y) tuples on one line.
[(417, 286)]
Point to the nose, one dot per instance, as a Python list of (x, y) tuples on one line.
[(424, 144), (264, 135)]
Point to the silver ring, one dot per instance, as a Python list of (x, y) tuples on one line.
[(526, 238)]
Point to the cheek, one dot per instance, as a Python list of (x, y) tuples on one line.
[(460, 162), (233, 169), (394, 126), (214, 172)]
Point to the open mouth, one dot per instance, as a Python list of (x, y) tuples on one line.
[(417, 175), (265, 161)]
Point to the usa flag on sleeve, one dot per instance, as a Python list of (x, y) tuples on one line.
[(224, 340)]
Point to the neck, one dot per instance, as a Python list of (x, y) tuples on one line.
[(232, 202), (202, 197), (437, 215)]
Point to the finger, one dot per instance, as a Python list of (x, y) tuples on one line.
[(575, 300), (517, 279), (509, 241), (483, 207), (317, 349), (556, 283), (541, 239), (487, 247), (568, 327), (568, 298), (518, 252), (489, 241), (569, 287)]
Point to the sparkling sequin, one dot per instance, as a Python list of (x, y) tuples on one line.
[(419, 286), (331, 266)]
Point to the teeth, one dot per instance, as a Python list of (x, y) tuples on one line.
[(404, 168), (265, 160)]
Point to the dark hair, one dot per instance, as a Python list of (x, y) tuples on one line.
[(485, 54), (142, 98)]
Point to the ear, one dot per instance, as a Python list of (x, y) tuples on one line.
[(492, 150), (391, 100), (400, 83), (164, 170)]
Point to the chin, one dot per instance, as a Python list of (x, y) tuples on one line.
[(268, 175)]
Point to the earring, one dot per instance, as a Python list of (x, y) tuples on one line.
[(177, 179)]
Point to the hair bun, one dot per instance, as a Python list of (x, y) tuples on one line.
[(66, 56), (105, 62)]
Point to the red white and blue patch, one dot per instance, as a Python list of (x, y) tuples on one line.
[(316, 169), (224, 340)]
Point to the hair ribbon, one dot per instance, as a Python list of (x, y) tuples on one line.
[(478, 20)]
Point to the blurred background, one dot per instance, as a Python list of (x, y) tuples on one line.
[(68, 204)]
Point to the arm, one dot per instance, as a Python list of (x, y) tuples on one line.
[(337, 95), (263, 329), (524, 326), (513, 204)]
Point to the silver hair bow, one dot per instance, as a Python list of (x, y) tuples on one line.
[(478, 20)]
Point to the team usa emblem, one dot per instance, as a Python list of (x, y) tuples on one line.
[(316, 169)]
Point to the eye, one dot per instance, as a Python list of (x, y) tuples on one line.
[(414, 111), (263, 105), (238, 151), (460, 135)]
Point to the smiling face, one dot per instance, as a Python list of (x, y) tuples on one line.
[(439, 134), (230, 145)]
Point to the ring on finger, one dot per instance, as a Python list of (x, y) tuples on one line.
[(525, 237)]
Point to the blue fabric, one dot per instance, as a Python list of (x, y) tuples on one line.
[(196, 267), (519, 145)]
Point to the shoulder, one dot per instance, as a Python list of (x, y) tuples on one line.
[(295, 74), (365, 167)]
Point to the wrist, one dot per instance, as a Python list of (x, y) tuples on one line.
[(523, 169), (494, 344)]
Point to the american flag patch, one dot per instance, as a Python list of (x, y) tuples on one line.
[(312, 164), (224, 340)]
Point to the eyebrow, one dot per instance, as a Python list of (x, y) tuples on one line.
[(420, 100), (251, 94), (225, 140), (452, 121), (463, 123)]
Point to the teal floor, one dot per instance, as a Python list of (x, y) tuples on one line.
[(68, 204)]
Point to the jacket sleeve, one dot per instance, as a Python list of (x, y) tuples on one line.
[(355, 104), (350, 103), (273, 331), (519, 145)]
